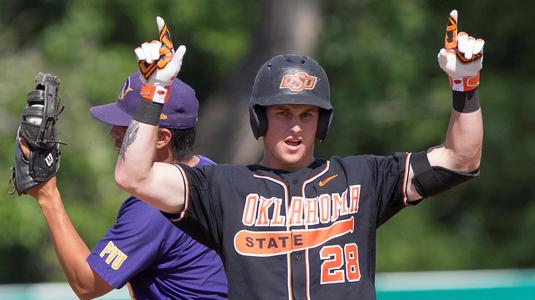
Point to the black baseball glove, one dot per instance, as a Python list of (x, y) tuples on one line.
[(37, 131)]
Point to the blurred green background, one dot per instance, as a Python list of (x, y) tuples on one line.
[(387, 89)]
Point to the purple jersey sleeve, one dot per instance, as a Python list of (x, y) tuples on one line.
[(130, 245)]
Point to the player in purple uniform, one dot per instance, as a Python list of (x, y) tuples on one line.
[(142, 248), (293, 226)]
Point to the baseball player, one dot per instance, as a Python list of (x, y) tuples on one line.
[(142, 248), (293, 226)]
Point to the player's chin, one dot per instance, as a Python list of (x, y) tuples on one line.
[(293, 158)]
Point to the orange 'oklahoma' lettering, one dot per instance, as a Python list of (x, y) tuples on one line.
[(311, 211), (277, 219), (249, 212), (354, 198), (323, 209), (263, 206), (339, 205), (295, 213)]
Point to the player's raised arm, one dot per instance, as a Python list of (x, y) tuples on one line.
[(458, 158), (158, 184)]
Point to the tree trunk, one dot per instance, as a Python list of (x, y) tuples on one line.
[(224, 133)]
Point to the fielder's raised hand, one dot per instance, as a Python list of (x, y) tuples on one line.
[(37, 153), (461, 58), (159, 64)]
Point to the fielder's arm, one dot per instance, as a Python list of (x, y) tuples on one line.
[(158, 184), (461, 58), (161, 185), (71, 250)]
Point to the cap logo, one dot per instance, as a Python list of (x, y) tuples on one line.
[(125, 89), (298, 81)]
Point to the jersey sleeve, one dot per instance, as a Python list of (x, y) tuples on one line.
[(202, 216), (390, 176), (130, 245)]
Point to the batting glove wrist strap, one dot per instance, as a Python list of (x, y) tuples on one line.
[(155, 93), (466, 102), (148, 112), (464, 84)]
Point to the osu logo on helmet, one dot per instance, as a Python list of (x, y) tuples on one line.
[(298, 81)]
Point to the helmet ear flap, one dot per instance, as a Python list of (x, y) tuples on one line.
[(258, 119), (324, 122)]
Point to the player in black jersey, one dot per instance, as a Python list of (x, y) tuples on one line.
[(293, 226)]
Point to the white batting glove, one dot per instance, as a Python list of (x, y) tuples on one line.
[(461, 58), (159, 64)]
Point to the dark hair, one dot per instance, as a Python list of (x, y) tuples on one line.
[(182, 142)]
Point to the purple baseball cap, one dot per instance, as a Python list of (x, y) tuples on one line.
[(180, 111)]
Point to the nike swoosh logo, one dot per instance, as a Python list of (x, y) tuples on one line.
[(326, 180)]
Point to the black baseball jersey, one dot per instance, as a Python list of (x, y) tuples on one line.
[(308, 234)]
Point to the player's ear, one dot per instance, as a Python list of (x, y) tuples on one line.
[(164, 138)]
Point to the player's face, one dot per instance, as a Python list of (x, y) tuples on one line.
[(117, 134), (289, 140)]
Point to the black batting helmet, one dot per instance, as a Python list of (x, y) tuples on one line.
[(290, 79)]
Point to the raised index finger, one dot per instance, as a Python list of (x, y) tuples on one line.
[(450, 40), (165, 36)]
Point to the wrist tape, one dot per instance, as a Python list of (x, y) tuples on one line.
[(155, 93), (464, 84), (466, 102), (148, 112)]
